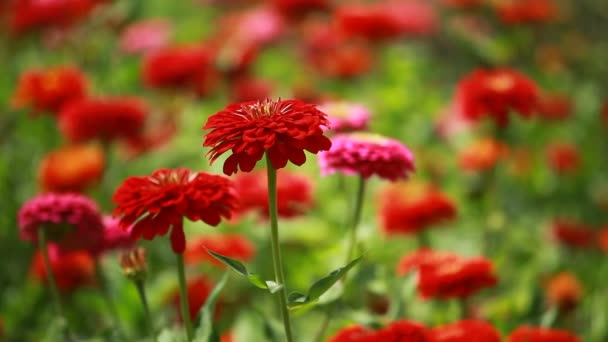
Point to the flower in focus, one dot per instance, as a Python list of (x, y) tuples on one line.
[(564, 291), (283, 129), (198, 290), (72, 221), (563, 158), (294, 193), (515, 12), (133, 263), (154, 204), (411, 207), (494, 93), (246, 89), (367, 154), (346, 116), (28, 15), (482, 155), (297, 8), (145, 36), (464, 331), (573, 234), (71, 168), (537, 334), (71, 269), (554, 107), (186, 66), (234, 246), (49, 90), (105, 119)]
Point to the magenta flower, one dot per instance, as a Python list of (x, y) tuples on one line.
[(346, 116), (367, 154), (71, 220)]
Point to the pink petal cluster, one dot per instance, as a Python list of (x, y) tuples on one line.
[(145, 36), (114, 236), (366, 154), (72, 220), (346, 116)]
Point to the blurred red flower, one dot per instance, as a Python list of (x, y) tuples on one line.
[(153, 204), (464, 331), (282, 128), (298, 8), (563, 158), (49, 90), (234, 246), (524, 11), (145, 36), (564, 291), (294, 193), (352, 333), (27, 15), (463, 3), (71, 168), (409, 207), (71, 269), (198, 290), (154, 136), (554, 107), (573, 234), (397, 331), (482, 155), (423, 257), (246, 89), (495, 93), (603, 239), (105, 119), (537, 334)]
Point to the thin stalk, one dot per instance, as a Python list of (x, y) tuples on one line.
[(183, 295), (51, 280), (141, 290), (352, 242), (103, 288), (277, 261), (422, 239)]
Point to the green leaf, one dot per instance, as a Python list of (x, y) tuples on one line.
[(205, 331), (298, 300), (239, 268)]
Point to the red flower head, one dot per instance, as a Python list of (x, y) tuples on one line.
[(283, 129), (495, 93), (533, 334), (423, 257), (294, 193), (153, 204), (49, 90), (563, 291), (155, 136), (145, 36), (563, 158), (352, 333), (573, 234), (27, 15), (246, 89), (71, 269), (554, 107), (72, 221), (464, 331), (231, 245), (482, 155), (603, 239), (523, 11), (401, 331), (104, 119), (71, 168), (198, 290), (297, 8), (178, 67), (367, 154), (407, 208)]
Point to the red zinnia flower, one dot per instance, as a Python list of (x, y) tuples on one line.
[(71, 269), (294, 193), (153, 204), (563, 158), (564, 291), (283, 129), (411, 207), (71, 168), (104, 119), (482, 155), (534, 334), (495, 93), (177, 67), (353, 333), (401, 331), (26, 15), (554, 107), (297, 8), (198, 290), (464, 331), (524, 11), (573, 234), (49, 90), (234, 246), (423, 257)]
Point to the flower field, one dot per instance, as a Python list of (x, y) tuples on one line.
[(304, 170)]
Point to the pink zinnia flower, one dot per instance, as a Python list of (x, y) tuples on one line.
[(71, 220), (366, 155), (346, 116), (114, 236), (145, 36)]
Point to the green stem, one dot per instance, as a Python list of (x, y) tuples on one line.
[(183, 295), (277, 261), (422, 239), (103, 288), (141, 290), (352, 242), (51, 280)]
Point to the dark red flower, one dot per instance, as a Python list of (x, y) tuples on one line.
[(423, 257), (153, 204), (198, 290), (49, 90), (563, 158), (402, 331), (352, 333), (234, 246), (407, 208), (482, 155), (283, 129), (105, 119), (71, 269), (524, 11), (573, 234), (246, 89), (563, 291), (537, 334), (298, 8), (495, 93), (27, 15), (71, 168), (554, 107), (294, 193), (464, 331), (463, 3)]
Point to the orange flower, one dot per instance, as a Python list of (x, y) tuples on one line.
[(71, 168), (564, 291), (482, 155)]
